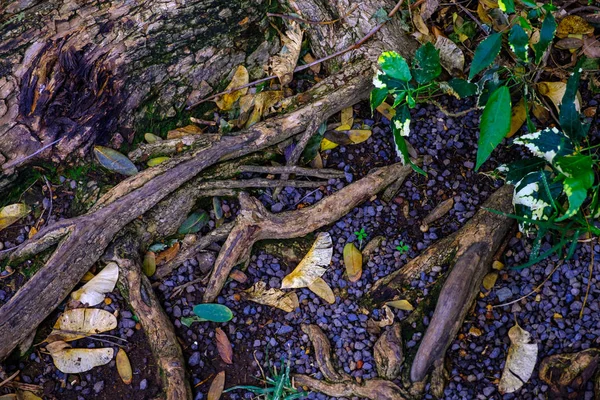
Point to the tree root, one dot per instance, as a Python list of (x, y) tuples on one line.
[(255, 223)]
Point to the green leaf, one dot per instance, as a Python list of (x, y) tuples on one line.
[(314, 143), (568, 116), (532, 201), (462, 87), (213, 312), (529, 3), (394, 65), (157, 247), (546, 36), (377, 97), (401, 129), (547, 143), (193, 223), (577, 165), (218, 209), (516, 170), (494, 125), (426, 65), (485, 53), (508, 6), (518, 41), (576, 190), (114, 161)]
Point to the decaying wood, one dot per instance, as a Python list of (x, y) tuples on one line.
[(255, 223), (438, 212), (568, 374), (388, 353), (322, 354), (324, 173)]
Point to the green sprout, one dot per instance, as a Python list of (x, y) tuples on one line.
[(361, 235), (402, 248)]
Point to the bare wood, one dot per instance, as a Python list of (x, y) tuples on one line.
[(325, 173), (323, 354), (255, 223), (374, 389)]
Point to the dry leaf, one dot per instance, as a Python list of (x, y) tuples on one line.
[(216, 387), (591, 47), (473, 331), (224, 346), (95, 290), (75, 361), (370, 248), (238, 276), (497, 265), (327, 144), (26, 395), (573, 25), (308, 58), (388, 319), (451, 56), (359, 135), (438, 212), (283, 64), (555, 92), (187, 130), (32, 231), (81, 322), (517, 118), (124, 367), (12, 213), (313, 265), (490, 280), (386, 110), (401, 305), (540, 112), (353, 262), (520, 361), (322, 289), (262, 103), (569, 43), (149, 265), (258, 293), (168, 254), (240, 78)]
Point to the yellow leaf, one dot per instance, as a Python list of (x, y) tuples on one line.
[(573, 25), (322, 289), (95, 290), (124, 367), (12, 213), (555, 92), (26, 395), (359, 135), (520, 361), (401, 305), (152, 138), (81, 322), (32, 232), (308, 58), (216, 387), (557, 316), (517, 118), (386, 110), (283, 64), (240, 78), (149, 265), (75, 361), (263, 102), (490, 280), (420, 24), (313, 265), (353, 262), (497, 265), (327, 145), (347, 117), (187, 130), (273, 297), (158, 160)]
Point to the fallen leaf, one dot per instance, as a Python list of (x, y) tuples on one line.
[(327, 144), (573, 25), (555, 92), (591, 47), (26, 395), (157, 160), (95, 290), (238, 276), (216, 387), (12, 213), (308, 58), (451, 56), (401, 305), (517, 118), (187, 130), (194, 223), (419, 23), (322, 289), (520, 361), (32, 232), (388, 319), (152, 138), (473, 331), (213, 312), (359, 135), (438, 212), (386, 110), (497, 265), (149, 265), (78, 323), (258, 293), (240, 78), (224, 346), (540, 112), (75, 361), (124, 367), (10, 396), (114, 161), (262, 103), (168, 254), (353, 262), (568, 374), (569, 44), (490, 280), (347, 117), (283, 64), (313, 265)]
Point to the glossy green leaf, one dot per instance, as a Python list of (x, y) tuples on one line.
[(377, 97), (546, 36), (462, 87), (570, 120), (494, 125), (314, 143), (193, 223), (518, 41), (217, 208), (508, 6), (531, 201), (426, 65), (516, 170), (576, 190), (394, 65), (114, 161), (485, 53), (400, 130), (529, 3), (213, 312), (547, 143)]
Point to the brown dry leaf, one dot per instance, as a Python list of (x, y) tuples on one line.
[(284, 63), (386, 110), (313, 265), (124, 367), (482, 12), (517, 118), (473, 331), (401, 305), (555, 92), (262, 103), (258, 293), (81, 322), (353, 262), (240, 78), (489, 3), (451, 56), (187, 130), (12, 213), (308, 58), (238, 276), (573, 25), (322, 289), (216, 387), (569, 43), (75, 361), (359, 135), (490, 280), (224, 346), (32, 232), (420, 24), (428, 8), (591, 47), (540, 112), (317, 162), (388, 319), (438, 212), (347, 118), (520, 361), (95, 290), (168, 254)]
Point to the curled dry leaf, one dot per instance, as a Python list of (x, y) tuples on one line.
[(224, 346), (283, 64), (187, 130), (520, 361), (240, 78), (81, 322), (438, 212), (313, 265), (322, 289), (216, 387), (168, 254), (124, 367), (451, 56), (258, 293), (353, 262), (75, 361), (403, 305), (12, 213), (573, 25), (347, 117), (568, 374), (555, 92), (262, 103), (388, 319), (95, 290)]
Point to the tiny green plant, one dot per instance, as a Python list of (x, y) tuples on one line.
[(402, 248), (361, 235)]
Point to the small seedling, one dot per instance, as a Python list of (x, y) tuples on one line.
[(402, 248), (361, 235)]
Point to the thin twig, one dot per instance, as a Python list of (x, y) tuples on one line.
[(535, 290), (297, 19), (324, 173), (587, 291), (14, 163), (49, 198), (466, 11), (451, 114), (306, 66), (10, 378)]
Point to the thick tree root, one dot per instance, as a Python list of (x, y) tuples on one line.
[(255, 223)]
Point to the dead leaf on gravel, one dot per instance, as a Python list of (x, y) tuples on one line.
[(81, 322), (238, 276), (12, 213), (451, 56), (258, 293), (168, 254), (313, 265), (520, 361), (95, 290), (490, 280), (75, 361), (517, 118), (124, 367), (224, 346), (359, 135), (403, 305), (347, 117), (26, 395), (386, 110), (353, 262), (573, 25), (540, 112), (438, 212), (283, 64), (322, 289), (240, 78), (420, 24), (216, 387)]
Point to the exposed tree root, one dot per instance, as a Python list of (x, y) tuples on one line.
[(255, 223)]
